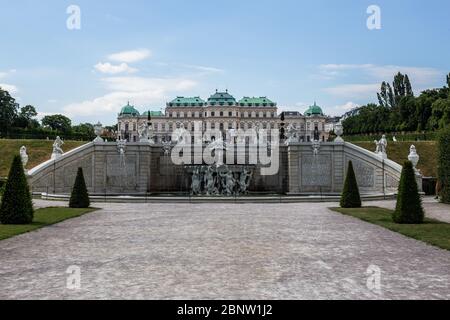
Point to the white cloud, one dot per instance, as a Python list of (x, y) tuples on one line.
[(419, 76), (204, 68), (12, 89), (130, 56), (138, 90), (109, 68), (354, 90), (341, 109)]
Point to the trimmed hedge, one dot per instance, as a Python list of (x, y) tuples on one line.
[(409, 208), (350, 195), (80, 196), (444, 165), (17, 205)]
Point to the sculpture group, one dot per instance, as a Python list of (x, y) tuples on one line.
[(220, 180)]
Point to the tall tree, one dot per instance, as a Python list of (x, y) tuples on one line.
[(448, 80), (8, 111), (16, 206), (386, 96), (58, 122)]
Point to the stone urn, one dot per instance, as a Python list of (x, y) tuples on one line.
[(98, 128), (339, 131), (413, 156)]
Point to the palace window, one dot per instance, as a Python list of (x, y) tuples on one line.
[(213, 114)]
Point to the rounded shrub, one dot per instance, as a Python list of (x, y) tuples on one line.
[(409, 208), (444, 165), (17, 205), (80, 196), (350, 197)]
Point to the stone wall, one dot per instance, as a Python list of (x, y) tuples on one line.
[(325, 172), (147, 170)]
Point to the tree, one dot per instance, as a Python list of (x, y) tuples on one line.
[(86, 129), (8, 111), (448, 80), (386, 96), (80, 196), (58, 122), (28, 112), (409, 208), (444, 165), (25, 118), (350, 195), (17, 206)]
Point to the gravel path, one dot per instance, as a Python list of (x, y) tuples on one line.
[(211, 251)]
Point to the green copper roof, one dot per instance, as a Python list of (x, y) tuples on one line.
[(129, 111), (314, 110), (153, 114), (221, 98), (257, 102), (186, 102)]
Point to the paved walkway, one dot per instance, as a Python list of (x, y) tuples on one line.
[(204, 251)]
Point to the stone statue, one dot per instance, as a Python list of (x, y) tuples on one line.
[(196, 182), (57, 148), (228, 181), (384, 144), (316, 147), (145, 133), (24, 157), (381, 147), (167, 147), (291, 134), (121, 145), (210, 181), (218, 146), (413, 157), (244, 181)]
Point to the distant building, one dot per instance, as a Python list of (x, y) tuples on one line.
[(220, 111), (330, 125)]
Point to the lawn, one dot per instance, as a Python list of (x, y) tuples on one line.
[(42, 218), (432, 231), (38, 151), (399, 151)]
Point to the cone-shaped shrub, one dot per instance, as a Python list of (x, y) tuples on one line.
[(80, 196), (17, 205), (350, 196), (409, 208), (444, 165)]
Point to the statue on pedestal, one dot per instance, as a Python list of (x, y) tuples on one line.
[(57, 148), (381, 147), (291, 134), (244, 181), (24, 158), (228, 181), (196, 182)]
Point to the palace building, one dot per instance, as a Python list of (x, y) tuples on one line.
[(220, 111)]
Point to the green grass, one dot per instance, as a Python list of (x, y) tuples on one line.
[(42, 218), (38, 152), (399, 151), (432, 231)]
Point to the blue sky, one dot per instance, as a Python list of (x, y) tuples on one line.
[(149, 51)]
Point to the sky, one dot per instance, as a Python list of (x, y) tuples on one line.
[(148, 52)]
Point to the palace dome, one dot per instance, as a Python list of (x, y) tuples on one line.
[(129, 110), (314, 110)]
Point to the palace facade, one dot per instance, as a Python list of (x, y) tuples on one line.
[(220, 111)]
